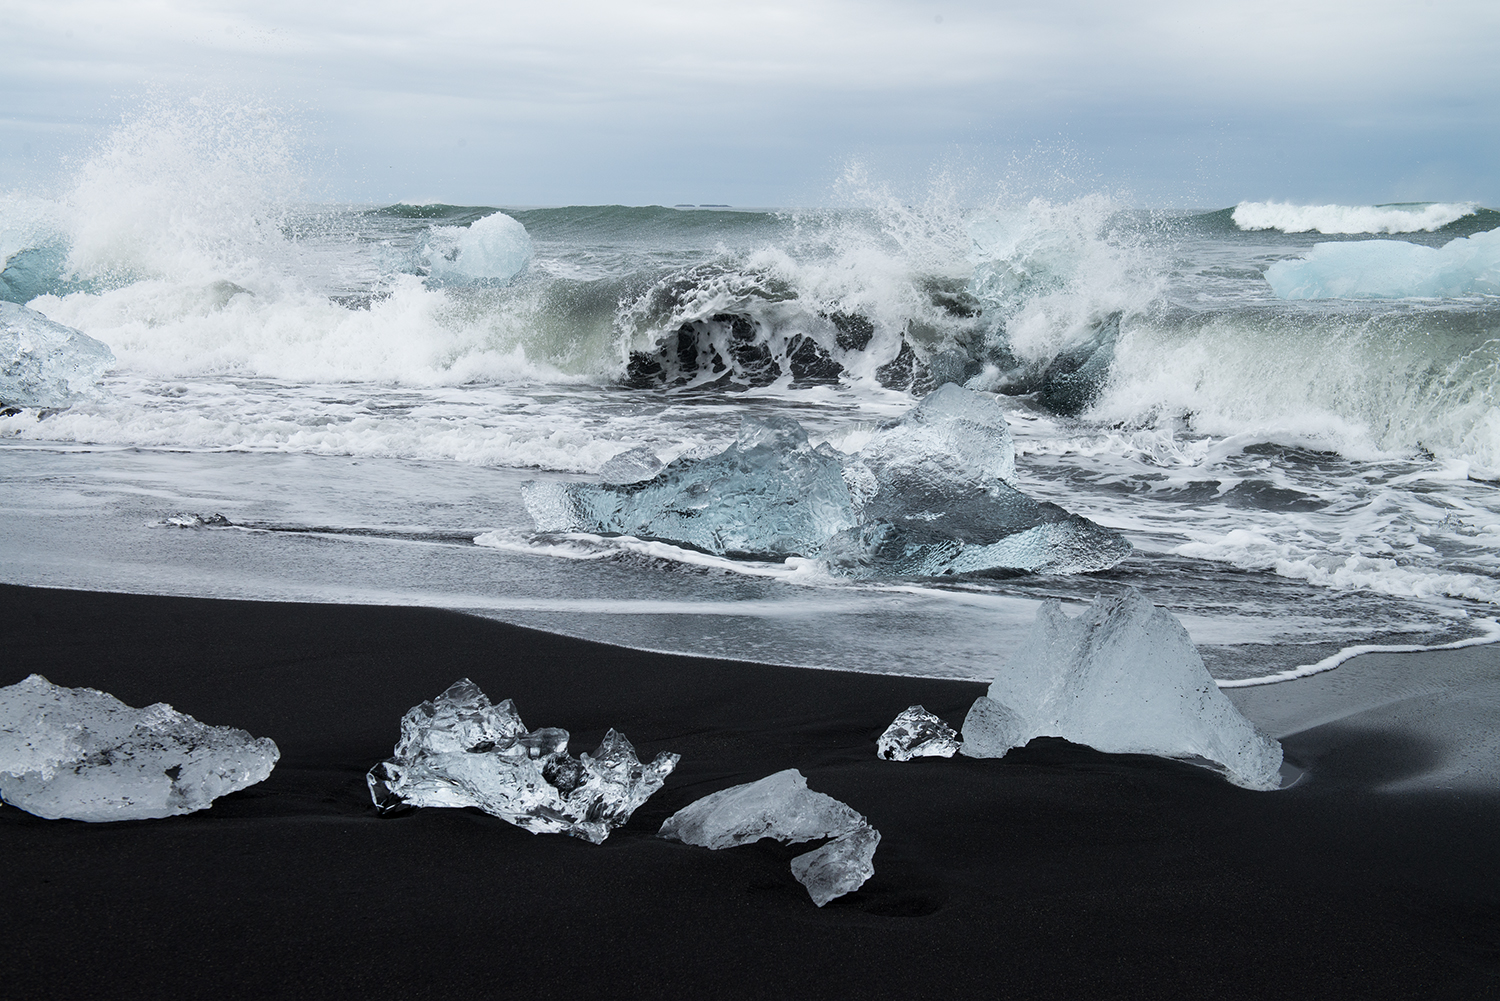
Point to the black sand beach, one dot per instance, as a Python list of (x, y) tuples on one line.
[(1057, 872)]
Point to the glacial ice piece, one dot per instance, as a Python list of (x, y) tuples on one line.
[(459, 750), (82, 754), (1123, 678), (935, 497), (45, 364), (1391, 269), (916, 733), (490, 250), (768, 494), (631, 466), (781, 806), (839, 867), (929, 494)]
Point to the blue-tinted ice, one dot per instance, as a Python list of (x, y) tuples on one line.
[(45, 364), (929, 494), (459, 750), (1125, 678)]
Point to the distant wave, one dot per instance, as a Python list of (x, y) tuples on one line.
[(1402, 217)]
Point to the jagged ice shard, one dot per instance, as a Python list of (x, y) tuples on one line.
[(82, 754), (1124, 677), (929, 494), (781, 806), (459, 750), (45, 364), (916, 733)]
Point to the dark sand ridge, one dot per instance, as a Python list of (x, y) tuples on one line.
[(1057, 872)]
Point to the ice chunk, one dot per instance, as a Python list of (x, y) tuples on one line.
[(781, 806), (778, 806), (490, 250), (839, 867), (82, 754), (951, 440), (1391, 269), (1125, 678), (459, 750), (45, 364), (929, 494), (916, 733), (631, 466), (768, 494)]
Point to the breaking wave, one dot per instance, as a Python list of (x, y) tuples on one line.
[(1402, 217)]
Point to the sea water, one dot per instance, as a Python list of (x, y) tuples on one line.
[(1290, 411)]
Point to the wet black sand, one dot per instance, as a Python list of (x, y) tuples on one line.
[(1055, 873)]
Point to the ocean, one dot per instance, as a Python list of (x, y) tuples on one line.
[(1290, 412)]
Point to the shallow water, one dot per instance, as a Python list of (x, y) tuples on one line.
[(361, 391)]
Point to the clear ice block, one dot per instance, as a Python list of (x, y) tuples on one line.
[(1123, 677), (781, 806), (917, 733), (460, 750), (82, 754), (45, 364)]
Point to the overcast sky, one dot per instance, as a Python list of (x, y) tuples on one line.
[(1172, 102)]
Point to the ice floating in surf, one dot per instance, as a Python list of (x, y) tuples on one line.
[(1391, 269), (781, 806), (493, 249), (82, 754), (916, 733), (459, 750), (928, 495), (45, 364), (1123, 677)]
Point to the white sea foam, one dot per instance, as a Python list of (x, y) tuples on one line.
[(1391, 269), (1397, 218)]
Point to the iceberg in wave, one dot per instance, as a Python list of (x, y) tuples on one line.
[(1125, 678), (82, 754), (45, 364), (1391, 269), (781, 806), (493, 249), (1414, 217), (929, 494), (459, 750)]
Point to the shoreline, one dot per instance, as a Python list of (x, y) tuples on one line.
[(1054, 872)]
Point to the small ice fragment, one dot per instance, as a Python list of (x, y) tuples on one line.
[(1125, 678), (839, 867), (916, 733), (459, 750), (82, 754), (45, 364), (781, 806), (778, 806)]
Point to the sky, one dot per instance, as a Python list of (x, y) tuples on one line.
[(1159, 103)]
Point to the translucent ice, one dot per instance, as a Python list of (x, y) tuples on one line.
[(929, 494), (82, 754), (839, 867), (459, 750), (495, 248), (1125, 678), (768, 494), (1391, 269), (935, 497), (45, 364), (781, 806), (916, 733)]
